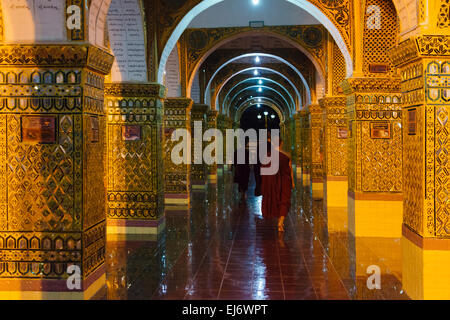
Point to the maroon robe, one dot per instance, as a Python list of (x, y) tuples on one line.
[(277, 190)]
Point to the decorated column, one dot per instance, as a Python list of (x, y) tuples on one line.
[(335, 153), (212, 124), (424, 64), (135, 158), (177, 115), (375, 153), (316, 137), (199, 173), (297, 156), (52, 171), (306, 149)]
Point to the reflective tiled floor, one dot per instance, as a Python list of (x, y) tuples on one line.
[(225, 250)]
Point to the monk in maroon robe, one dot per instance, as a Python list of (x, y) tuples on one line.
[(277, 189)]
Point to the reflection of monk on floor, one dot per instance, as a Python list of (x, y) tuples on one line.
[(277, 189)]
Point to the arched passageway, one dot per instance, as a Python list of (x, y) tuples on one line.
[(115, 121)]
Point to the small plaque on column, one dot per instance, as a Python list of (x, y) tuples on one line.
[(39, 129), (95, 137), (131, 133), (342, 132), (380, 130)]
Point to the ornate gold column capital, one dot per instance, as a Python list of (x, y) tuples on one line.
[(56, 55), (335, 101), (414, 48), (200, 108), (147, 90), (178, 103), (370, 85)]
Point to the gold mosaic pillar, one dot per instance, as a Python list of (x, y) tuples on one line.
[(316, 136), (224, 123), (375, 154), (135, 162), (335, 153), (212, 124), (424, 64), (199, 174), (52, 171), (297, 156), (177, 115), (306, 149), (221, 125)]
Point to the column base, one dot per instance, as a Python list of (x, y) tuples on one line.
[(335, 192), (212, 178), (118, 229), (375, 214), (177, 202), (49, 289), (298, 172), (306, 180), (425, 261), (337, 219), (199, 186), (317, 189)]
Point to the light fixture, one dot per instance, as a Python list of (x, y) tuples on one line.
[(272, 116), (256, 73), (260, 82), (258, 105), (259, 100), (255, 2), (259, 116), (259, 89), (257, 59), (266, 113)]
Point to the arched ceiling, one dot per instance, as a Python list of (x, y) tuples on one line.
[(244, 81), (232, 71), (281, 60), (238, 13), (333, 15), (263, 43), (251, 91)]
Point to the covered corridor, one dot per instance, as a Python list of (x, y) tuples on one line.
[(111, 110)]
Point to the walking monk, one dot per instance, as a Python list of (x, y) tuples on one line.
[(277, 189)]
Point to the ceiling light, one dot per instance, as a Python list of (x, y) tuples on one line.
[(257, 59), (266, 113), (273, 116), (260, 82), (259, 106), (259, 116), (256, 73), (259, 89), (255, 2)]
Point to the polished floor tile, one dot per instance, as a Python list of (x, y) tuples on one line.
[(223, 250)]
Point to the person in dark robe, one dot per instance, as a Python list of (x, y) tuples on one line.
[(277, 189), (242, 172)]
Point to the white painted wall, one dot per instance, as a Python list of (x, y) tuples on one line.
[(195, 91), (172, 80), (34, 20), (127, 41)]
